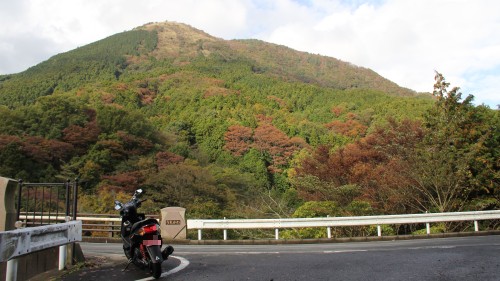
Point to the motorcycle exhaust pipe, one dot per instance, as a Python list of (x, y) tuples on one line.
[(167, 252)]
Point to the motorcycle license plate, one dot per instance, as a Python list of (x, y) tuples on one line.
[(151, 242)]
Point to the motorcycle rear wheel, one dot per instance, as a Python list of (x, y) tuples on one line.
[(156, 267)]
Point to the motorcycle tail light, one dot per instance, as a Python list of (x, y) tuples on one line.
[(151, 228)]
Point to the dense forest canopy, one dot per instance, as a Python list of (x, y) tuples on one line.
[(244, 128)]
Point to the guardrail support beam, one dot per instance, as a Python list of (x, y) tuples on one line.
[(476, 226), (199, 234), (379, 230), (277, 233), (428, 227)]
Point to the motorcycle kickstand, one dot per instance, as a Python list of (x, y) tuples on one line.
[(129, 262)]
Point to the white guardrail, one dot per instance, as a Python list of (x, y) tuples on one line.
[(111, 224), (329, 222), (19, 242)]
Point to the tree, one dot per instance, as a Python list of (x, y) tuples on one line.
[(350, 128), (458, 159), (165, 158), (372, 168), (271, 140), (238, 139)]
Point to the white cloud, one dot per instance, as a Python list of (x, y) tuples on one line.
[(403, 40), (406, 41)]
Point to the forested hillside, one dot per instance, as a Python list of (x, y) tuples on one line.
[(243, 128)]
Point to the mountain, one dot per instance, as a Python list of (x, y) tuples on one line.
[(208, 124), (181, 44)]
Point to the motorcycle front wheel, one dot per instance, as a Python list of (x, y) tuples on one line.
[(156, 268)]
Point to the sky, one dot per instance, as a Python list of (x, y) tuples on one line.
[(405, 41)]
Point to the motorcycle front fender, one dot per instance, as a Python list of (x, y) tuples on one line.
[(155, 253)]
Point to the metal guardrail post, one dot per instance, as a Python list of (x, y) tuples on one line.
[(75, 211), (75, 199), (20, 184), (328, 230), (67, 185), (225, 232), (11, 274), (63, 250)]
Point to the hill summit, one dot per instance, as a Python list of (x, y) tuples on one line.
[(176, 40)]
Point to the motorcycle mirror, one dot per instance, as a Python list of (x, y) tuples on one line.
[(118, 205), (138, 192)]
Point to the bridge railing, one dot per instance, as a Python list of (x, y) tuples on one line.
[(96, 225)]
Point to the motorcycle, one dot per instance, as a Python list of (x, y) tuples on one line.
[(141, 237)]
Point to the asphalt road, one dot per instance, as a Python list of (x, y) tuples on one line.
[(466, 258)]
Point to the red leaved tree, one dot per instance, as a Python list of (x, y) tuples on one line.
[(238, 139), (376, 164)]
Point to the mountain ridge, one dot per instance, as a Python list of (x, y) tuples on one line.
[(181, 44), (306, 67)]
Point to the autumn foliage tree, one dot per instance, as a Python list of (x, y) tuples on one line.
[(238, 139), (269, 139), (448, 162), (370, 169), (457, 165), (351, 127)]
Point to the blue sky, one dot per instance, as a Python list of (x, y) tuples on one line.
[(402, 40)]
